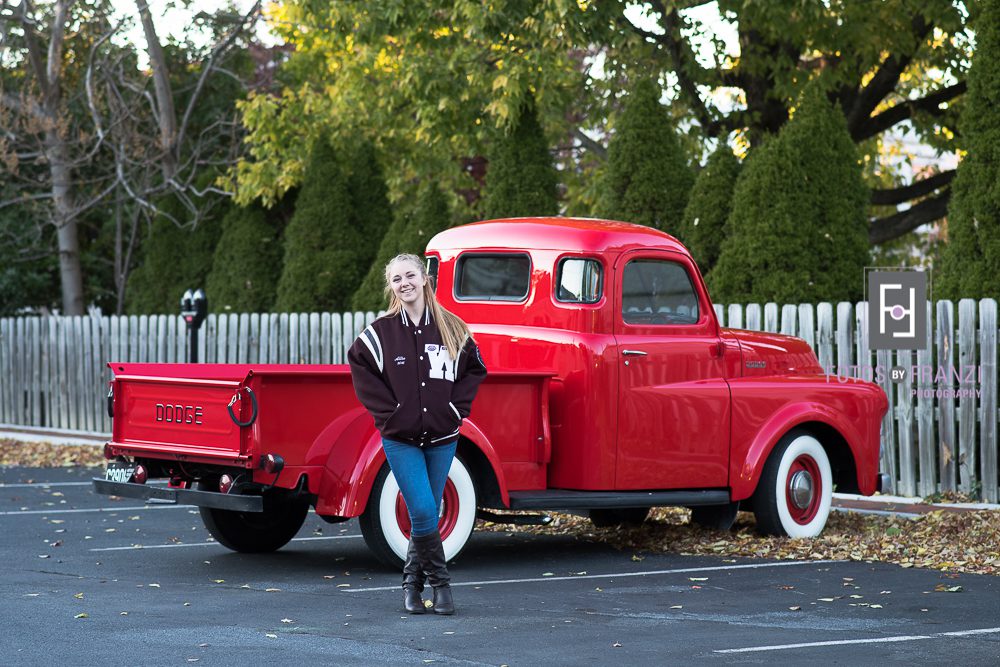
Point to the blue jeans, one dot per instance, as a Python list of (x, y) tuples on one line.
[(421, 473)]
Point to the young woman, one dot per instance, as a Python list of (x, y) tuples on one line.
[(416, 369)]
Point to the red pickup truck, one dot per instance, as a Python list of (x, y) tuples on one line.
[(611, 389)]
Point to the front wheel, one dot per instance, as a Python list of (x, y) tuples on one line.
[(795, 489), (257, 532), (385, 523)]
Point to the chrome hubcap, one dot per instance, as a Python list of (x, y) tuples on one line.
[(800, 488)]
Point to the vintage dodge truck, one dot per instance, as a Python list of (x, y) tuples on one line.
[(611, 389)]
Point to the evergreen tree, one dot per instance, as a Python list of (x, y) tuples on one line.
[(521, 180), (711, 201), (371, 213), (409, 232), (321, 268), (174, 259), (970, 264), (247, 262), (646, 179), (797, 231)]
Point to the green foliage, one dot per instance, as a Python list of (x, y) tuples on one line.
[(646, 179), (174, 259), (970, 266), (797, 231), (322, 268), (247, 262), (709, 206), (410, 231), (521, 180)]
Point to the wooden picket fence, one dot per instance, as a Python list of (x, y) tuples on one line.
[(939, 435)]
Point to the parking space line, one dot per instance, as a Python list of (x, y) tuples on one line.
[(875, 640), (137, 508), (213, 543), (612, 575), (42, 485)]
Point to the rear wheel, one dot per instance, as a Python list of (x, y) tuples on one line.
[(795, 489), (617, 516), (257, 532), (385, 523)]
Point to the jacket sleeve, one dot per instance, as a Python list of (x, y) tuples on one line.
[(470, 373), (365, 358)]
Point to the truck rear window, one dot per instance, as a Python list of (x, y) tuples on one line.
[(579, 280), (493, 277), (658, 292)]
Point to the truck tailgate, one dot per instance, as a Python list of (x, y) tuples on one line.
[(185, 417)]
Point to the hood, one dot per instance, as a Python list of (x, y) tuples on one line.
[(774, 354)]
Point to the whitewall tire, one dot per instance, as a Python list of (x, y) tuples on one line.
[(795, 490), (385, 524)]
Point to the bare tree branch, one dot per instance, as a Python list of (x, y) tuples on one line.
[(894, 226), (209, 66), (929, 104), (886, 78), (924, 186)]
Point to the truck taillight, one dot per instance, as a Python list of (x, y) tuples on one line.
[(272, 463), (225, 483), (140, 475)]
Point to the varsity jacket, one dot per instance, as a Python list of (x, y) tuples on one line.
[(416, 390)]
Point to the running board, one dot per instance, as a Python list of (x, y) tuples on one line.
[(561, 499)]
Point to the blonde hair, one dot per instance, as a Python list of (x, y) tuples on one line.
[(454, 332)]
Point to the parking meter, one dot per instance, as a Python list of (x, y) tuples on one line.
[(194, 310)]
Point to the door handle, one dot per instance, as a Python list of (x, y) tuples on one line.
[(634, 353)]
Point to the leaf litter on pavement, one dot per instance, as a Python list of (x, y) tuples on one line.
[(949, 541)]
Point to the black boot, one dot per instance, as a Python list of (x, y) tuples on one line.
[(431, 554), (413, 582)]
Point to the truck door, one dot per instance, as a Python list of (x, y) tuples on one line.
[(673, 401)]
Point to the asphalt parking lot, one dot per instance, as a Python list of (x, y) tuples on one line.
[(92, 580)]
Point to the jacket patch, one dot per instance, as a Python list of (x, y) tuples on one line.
[(400, 360), (442, 364)]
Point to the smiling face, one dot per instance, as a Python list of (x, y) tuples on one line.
[(406, 280)]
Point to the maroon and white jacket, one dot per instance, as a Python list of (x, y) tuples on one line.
[(416, 390)]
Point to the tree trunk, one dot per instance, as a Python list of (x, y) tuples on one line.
[(166, 116), (71, 276)]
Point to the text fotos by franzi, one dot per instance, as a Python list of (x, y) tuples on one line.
[(897, 310)]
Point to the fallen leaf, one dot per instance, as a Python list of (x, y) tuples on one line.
[(123, 613), (616, 645), (875, 606), (78, 596), (287, 620), (697, 578), (547, 574), (270, 635), (219, 581), (637, 558), (944, 588), (795, 608), (82, 616)]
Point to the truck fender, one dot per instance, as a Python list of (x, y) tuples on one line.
[(372, 457), (744, 479)]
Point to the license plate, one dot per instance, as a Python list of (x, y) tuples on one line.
[(119, 472)]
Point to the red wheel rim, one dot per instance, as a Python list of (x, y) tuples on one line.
[(804, 464), (449, 512)]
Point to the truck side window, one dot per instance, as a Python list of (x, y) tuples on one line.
[(493, 277), (579, 280), (658, 292), (432, 271)]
